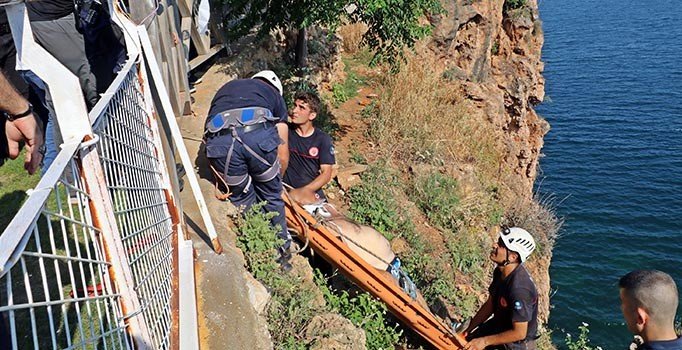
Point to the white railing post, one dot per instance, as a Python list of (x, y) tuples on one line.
[(157, 80)]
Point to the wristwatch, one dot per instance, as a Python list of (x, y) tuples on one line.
[(13, 117)]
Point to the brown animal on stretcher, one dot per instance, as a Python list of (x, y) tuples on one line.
[(364, 241)]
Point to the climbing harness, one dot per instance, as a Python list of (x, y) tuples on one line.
[(230, 122)]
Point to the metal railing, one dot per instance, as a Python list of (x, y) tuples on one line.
[(90, 261), (53, 292), (134, 169)]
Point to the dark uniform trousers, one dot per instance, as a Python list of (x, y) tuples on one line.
[(264, 142), (487, 328)]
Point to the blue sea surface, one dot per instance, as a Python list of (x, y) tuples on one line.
[(613, 72)]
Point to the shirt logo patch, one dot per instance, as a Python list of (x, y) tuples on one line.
[(313, 151), (503, 302), (518, 305), (331, 150)]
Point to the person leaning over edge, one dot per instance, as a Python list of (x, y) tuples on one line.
[(20, 125), (513, 299), (246, 144), (311, 150), (649, 300)]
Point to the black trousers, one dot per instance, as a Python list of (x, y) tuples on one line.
[(63, 41)]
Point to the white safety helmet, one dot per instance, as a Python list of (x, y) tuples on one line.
[(518, 240), (271, 78)]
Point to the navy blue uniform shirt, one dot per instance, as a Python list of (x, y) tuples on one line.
[(663, 345), (243, 93), (306, 156), (515, 299)]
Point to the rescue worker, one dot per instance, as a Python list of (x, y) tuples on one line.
[(246, 145), (649, 302), (513, 299), (311, 150)]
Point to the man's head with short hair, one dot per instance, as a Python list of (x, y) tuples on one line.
[(306, 107), (310, 98), (649, 300)]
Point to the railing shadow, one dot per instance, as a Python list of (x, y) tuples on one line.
[(9, 206)]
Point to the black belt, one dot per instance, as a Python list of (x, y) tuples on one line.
[(244, 129)]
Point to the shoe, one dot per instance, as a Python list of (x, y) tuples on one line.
[(284, 260), (286, 266), (459, 327)]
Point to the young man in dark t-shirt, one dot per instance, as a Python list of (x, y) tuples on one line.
[(311, 150), (513, 299)]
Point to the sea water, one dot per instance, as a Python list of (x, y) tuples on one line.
[(613, 72)]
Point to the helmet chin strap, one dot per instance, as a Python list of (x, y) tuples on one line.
[(506, 259)]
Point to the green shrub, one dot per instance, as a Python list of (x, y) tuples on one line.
[(468, 255), (582, 342), (364, 311), (356, 156), (495, 49), (373, 204), (291, 307), (370, 110), (436, 195), (514, 4), (259, 242), (340, 94)]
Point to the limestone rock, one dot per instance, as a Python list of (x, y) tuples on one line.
[(334, 332), (258, 294), (302, 270), (347, 177)]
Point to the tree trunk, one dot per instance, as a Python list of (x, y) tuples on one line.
[(301, 49)]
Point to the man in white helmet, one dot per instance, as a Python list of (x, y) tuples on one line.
[(513, 299), (246, 144)]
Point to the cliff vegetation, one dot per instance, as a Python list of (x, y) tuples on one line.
[(451, 143)]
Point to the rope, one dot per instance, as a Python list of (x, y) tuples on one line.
[(298, 216), (220, 195), (337, 229)]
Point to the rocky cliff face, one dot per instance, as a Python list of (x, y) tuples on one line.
[(495, 53)]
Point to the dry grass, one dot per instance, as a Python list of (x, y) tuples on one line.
[(539, 217), (421, 118), (352, 36)]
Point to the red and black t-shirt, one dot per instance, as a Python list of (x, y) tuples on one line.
[(306, 155)]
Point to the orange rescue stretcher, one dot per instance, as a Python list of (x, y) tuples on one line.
[(327, 244)]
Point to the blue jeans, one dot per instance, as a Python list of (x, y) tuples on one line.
[(264, 142)]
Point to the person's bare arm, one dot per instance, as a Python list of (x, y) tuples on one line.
[(483, 314), (283, 149), (518, 332), (10, 100), (22, 129), (322, 179), (306, 194)]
